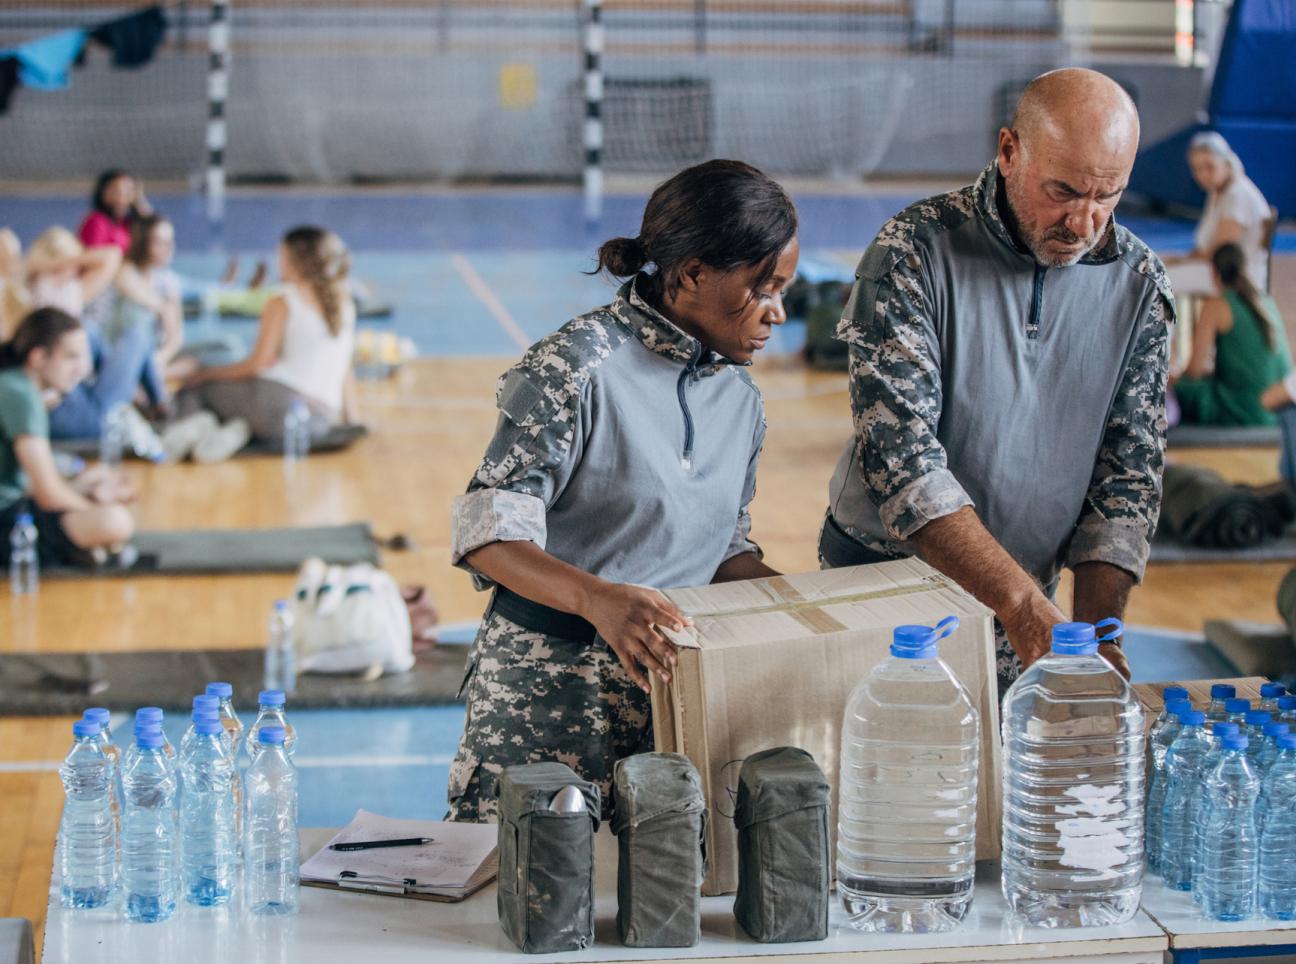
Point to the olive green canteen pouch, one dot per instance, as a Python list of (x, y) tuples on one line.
[(784, 866), (545, 892), (660, 821)]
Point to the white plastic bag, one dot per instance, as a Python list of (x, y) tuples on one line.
[(350, 619)]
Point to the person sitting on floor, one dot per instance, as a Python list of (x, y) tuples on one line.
[(76, 522), (302, 355), (1235, 213), (149, 293), (1239, 349), (117, 200)]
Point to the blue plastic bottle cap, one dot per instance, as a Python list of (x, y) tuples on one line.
[(220, 690), (1286, 703), (1175, 707), (1271, 691), (1236, 706), (204, 713), (24, 519), (271, 698), (1223, 691), (1234, 741), (1075, 639), (1173, 693), (97, 713), (281, 605), (149, 740), (1287, 741), (1258, 717), (147, 726), (1193, 718), (1276, 729), (85, 728), (152, 713), (1223, 728), (271, 736), (913, 642), (206, 699), (208, 725)]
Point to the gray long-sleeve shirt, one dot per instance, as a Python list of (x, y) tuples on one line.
[(980, 377), (624, 447)]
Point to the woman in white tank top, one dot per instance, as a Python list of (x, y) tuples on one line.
[(303, 348)]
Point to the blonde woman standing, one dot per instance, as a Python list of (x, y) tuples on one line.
[(302, 353)]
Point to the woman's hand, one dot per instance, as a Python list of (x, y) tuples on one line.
[(627, 617)]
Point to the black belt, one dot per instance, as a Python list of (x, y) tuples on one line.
[(838, 549), (540, 618)]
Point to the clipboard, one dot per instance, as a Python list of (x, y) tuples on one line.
[(390, 887)]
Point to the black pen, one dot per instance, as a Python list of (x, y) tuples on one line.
[(375, 844)]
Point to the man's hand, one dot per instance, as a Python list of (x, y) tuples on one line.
[(1030, 627), (1116, 656)]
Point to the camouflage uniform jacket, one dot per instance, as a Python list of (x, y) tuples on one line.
[(624, 447), (980, 377)]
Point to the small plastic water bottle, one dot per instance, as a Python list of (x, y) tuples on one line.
[(1073, 835), (270, 712), (209, 845), (24, 562), (1272, 730), (1269, 693), (1201, 803), (203, 705), (1184, 764), (906, 833), (1236, 709), (1220, 693), (296, 433), (87, 835), (1278, 838), (131, 753), (154, 714), (1161, 740), (270, 845), (281, 650), (1254, 729), (100, 715), (1171, 694), (1226, 878), (234, 741), (1287, 709), (114, 438), (150, 841)]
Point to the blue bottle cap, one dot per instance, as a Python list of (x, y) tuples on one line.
[(1286, 703), (1287, 741), (1173, 693), (147, 726), (281, 605), (1258, 717), (208, 725), (1234, 741), (152, 713), (1075, 639), (1223, 728), (271, 736), (1275, 728), (204, 713), (1192, 718), (1271, 691), (97, 713), (1223, 691), (220, 690), (1236, 705), (24, 519), (913, 642), (85, 728), (1175, 707), (271, 698), (206, 699), (149, 740)]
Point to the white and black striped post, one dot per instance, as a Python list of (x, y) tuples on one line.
[(218, 39), (592, 138)]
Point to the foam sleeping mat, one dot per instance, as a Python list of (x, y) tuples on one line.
[(1186, 436), (217, 551), (1255, 649), (337, 439), (1167, 550)]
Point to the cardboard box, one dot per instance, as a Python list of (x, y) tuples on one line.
[(772, 662)]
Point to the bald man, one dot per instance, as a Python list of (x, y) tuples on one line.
[(1007, 377)]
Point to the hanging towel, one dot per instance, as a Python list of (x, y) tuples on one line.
[(9, 69), (45, 62), (132, 39)]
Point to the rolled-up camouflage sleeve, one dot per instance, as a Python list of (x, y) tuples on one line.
[(741, 541), (1124, 498), (895, 388), (537, 444)]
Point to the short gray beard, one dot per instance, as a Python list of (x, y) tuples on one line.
[(1034, 242)]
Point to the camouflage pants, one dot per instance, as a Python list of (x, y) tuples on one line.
[(533, 697)]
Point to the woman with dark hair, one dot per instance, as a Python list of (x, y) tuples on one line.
[(45, 360), (623, 463), (117, 199), (1239, 349)]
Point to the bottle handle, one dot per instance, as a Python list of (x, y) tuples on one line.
[(1107, 637), (945, 627)]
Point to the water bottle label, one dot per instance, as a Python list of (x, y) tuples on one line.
[(1091, 840)]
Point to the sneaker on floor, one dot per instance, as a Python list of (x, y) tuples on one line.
[(180, 437), (140, 436), (219, 444)]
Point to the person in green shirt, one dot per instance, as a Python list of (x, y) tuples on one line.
[(47, 357), (1239, 350)]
